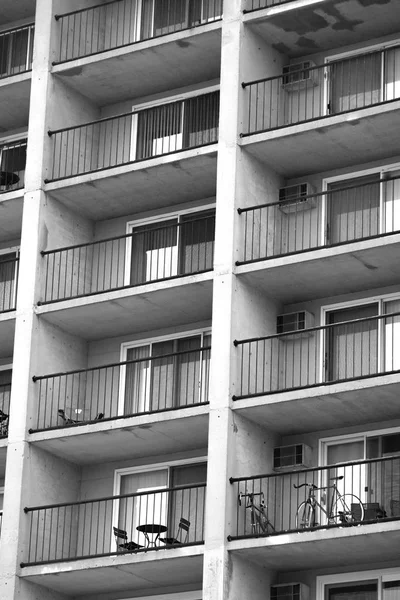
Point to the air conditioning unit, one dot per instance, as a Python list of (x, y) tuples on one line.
[(299, 76), (290, 591), (297, 456), (295, 198), (294, 323)]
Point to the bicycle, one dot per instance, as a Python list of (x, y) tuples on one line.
[(344, 508), (259, 520)]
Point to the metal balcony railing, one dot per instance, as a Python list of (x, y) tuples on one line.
[(150, 253), (146, 521), (12, 166), (316, 356), (143, 385), (260, 4), (16, 50), (316, 92), (5, 395), (9, 264), (339, 215), (135, 136), (121, 23), (340, 495)]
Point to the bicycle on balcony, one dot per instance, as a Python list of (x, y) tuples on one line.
[(259, 520), (342, 509)]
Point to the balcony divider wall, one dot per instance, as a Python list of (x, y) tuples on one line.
[(122, 23), (136, 136)]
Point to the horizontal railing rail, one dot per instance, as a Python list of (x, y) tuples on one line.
[(150, 253), (135, 136), (143, 385), (315, 356), (333, 217), (316, 92), (16, 50), (340, 495), (254, 5), (122, 23), (127, 523), (5, 395), (8, 284), (12, 166)]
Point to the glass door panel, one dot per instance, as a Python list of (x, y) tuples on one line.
[(355, 82), (196, 249), (154, 251), (352, 591), (188, 504), (353, 213), (392, 336), (201, 120), (137, 381), (392, 74), (391, 202), (351, 349), (159, 130), (7, 281)]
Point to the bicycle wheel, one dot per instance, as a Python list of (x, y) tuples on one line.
[(347, 509), (305, 516)]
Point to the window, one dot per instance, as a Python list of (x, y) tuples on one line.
[(16, 51), (8, 280), (363, 80), (175, 126), (165, 374), (160, 17), (179, 245), (368, 585), (152, 505)]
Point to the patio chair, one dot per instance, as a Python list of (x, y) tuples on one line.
[(3, 424), (125, 546), (182, 534), (69, 421)]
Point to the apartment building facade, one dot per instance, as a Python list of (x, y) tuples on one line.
[(199, 299)]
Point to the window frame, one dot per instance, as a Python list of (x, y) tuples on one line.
[(125, 346), (131, 225), (382, 576), (153, 467)]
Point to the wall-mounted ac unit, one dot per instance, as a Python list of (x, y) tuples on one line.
[(297, 456), (295, 198), (293, 323), (299, 76), (290, 591)]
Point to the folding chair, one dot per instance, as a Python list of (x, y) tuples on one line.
[(182, 534), (69, 421), (120, 534)]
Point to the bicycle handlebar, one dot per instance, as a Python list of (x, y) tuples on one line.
[(311, 485)]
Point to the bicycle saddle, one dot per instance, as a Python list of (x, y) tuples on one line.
[(336, 478)]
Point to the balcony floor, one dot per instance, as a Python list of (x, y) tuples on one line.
[(14, 101), (325, 407), (191, 56), (150, 435), (134, 310), (113, 574), (146, 185), (297, 29), (329, 143), (327, 272), (324, 548)]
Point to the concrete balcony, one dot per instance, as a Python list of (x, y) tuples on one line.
[(128, 156), (139, 544), (285, 516), (299, 27), (136, 573), (319, 378), (99, 48), (16, 47), (313, 109)]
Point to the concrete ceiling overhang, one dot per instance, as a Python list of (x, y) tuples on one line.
[(296, 29), (14, 102)]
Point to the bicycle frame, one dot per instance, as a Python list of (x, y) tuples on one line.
[(258, 515)]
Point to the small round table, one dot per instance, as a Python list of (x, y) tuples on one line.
[(151, 529), (8, 179)]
